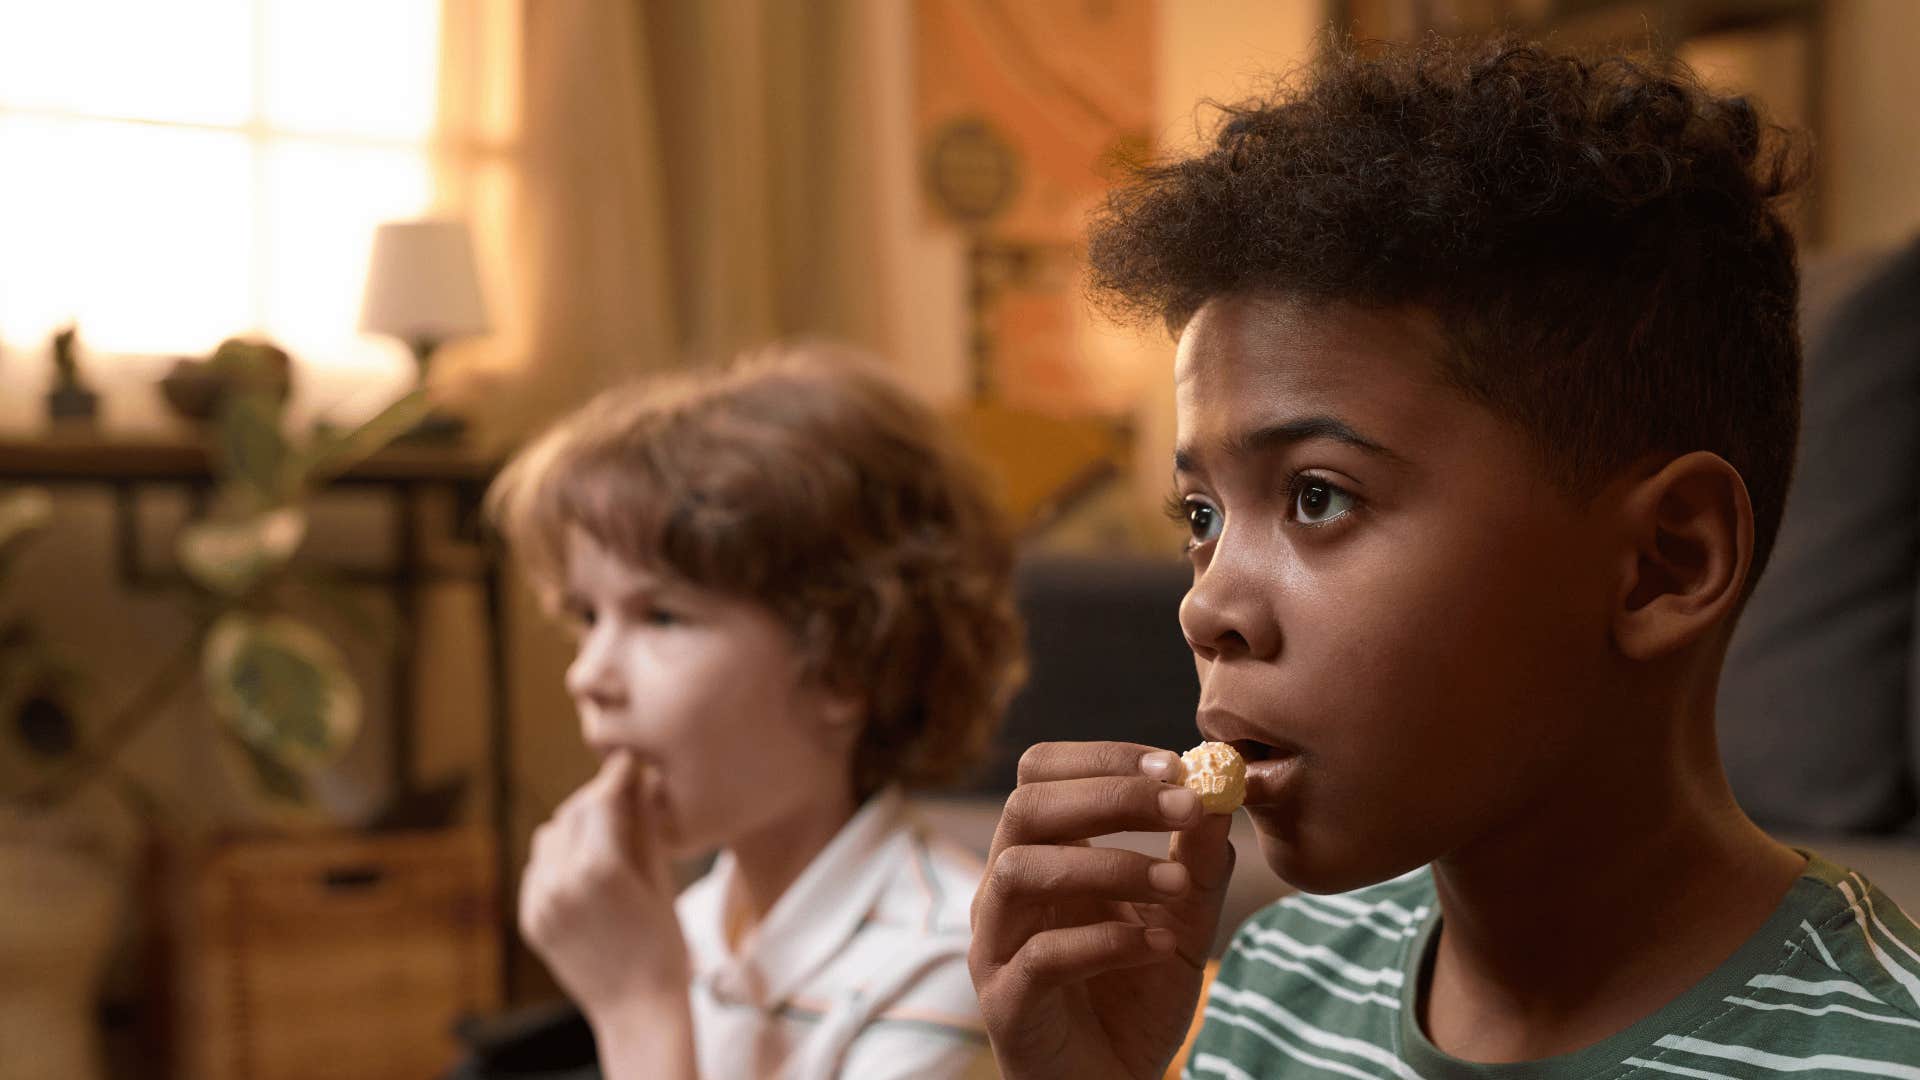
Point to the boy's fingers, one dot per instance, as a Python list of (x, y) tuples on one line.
[(607, 811), (1206, 850), (614, 775), (1073, 760), (645, 808), (1061, 811), (1044, 874), (1055, 958), (1026, 882)]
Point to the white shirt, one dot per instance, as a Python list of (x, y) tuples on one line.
[(859, 971)]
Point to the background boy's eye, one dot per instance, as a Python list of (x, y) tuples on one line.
[(661, 617), (1203, 522), (1316, 502)]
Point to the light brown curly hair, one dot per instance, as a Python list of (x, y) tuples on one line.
[(801, 479)]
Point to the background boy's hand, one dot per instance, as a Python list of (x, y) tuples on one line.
[(596, 901), (1088, 960)]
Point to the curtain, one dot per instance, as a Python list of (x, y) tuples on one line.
[(676, 180)]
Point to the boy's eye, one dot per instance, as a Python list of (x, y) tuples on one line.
[(1203, 522), (661, 617), (1316, 502)]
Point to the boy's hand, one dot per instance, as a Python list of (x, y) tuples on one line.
[(596, 901), (1088, 960)]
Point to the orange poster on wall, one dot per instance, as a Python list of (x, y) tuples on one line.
[(1025, 114)]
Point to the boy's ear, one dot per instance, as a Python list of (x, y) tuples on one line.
[(842, 714), (1691, 530)]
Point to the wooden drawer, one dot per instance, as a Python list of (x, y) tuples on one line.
[(339, 957)]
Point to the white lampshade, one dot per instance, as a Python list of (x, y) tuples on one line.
[(422, 284)]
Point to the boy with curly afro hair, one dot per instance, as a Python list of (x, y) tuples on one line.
[(1487, 382)]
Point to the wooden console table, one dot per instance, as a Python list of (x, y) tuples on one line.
[(408, 475)]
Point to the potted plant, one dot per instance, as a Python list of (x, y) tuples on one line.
[(279, 693)]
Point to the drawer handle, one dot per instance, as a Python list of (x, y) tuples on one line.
[(352, 878)]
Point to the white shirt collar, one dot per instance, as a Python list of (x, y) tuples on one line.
[(810, 922)]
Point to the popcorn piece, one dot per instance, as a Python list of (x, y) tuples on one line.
[(1217, 773)]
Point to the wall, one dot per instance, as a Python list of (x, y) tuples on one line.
[(1226, 50), (1870, 155)]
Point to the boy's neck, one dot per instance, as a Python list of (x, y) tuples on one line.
[(1638, 879), (771, 859)]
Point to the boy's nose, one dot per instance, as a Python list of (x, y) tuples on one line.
[(593, 679), (1222, 619)]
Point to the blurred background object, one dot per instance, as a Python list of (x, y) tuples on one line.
[(577, 192), (423, 288)]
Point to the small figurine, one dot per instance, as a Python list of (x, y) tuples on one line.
[(70, 404)]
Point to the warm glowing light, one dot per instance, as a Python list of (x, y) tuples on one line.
[(175, 173), (184, 61), (364, 68), (141, 233)]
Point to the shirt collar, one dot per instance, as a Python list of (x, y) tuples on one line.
[(811, 921)]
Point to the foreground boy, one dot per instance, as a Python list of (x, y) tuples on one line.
[(1488, 389)]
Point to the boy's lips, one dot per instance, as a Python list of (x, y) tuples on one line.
[(1269, 760)]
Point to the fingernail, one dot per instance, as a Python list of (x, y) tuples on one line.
[(1159, 764), (1178, 804), (1167, 878), (1160, 939)]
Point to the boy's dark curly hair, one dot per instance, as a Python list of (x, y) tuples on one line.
[(1599, 239)]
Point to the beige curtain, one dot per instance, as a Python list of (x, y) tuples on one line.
[(676, 179)]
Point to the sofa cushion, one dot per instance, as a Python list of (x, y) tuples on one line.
[(1107, 659), (1816, 702)]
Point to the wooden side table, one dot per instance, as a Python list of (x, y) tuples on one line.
[(348, 955)]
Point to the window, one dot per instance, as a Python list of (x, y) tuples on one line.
[(175, 173)]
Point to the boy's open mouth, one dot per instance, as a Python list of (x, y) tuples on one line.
[(1257, 751), (1268, 767)]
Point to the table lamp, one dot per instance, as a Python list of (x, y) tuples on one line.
[(423, 288)]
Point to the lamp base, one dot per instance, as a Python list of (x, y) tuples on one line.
[(438, 427)]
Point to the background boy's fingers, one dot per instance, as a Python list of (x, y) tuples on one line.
[(1063, 811), (1072, 760), (644, 809), (615, 775), (1054, 958)]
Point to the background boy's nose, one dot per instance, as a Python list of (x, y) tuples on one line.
[(593, 679)]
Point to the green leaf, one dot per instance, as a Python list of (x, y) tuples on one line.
[(253, 453), (276, 779), (231, 557), (334, 452), (282, 688)]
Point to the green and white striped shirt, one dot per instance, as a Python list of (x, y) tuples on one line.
[(1323, 986)]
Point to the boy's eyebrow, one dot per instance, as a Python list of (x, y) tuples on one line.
[(637, 594), (1266, 439)]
